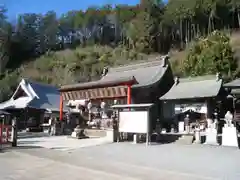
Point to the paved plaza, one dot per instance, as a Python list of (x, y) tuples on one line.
[(63, 143), (120, 161)]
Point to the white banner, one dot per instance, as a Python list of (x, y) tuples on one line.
[(133, 122)]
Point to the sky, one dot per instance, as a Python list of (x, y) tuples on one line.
[(16, 7)]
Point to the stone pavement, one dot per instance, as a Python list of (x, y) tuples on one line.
[(122, 161), (62, 143)]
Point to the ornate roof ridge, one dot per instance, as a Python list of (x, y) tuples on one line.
[(157, 61)]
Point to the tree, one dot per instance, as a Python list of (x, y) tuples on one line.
[(129, 31), (235, 9), (49, 32), (5, 40), (211, 55)]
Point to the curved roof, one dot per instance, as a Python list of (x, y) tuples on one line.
[(235, 84), (48, 97), (197, 87), (141, 74), (101, 83), (146, 73), (39, 96)]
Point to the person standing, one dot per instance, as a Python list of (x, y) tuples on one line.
[(50, 120), (53, 127)]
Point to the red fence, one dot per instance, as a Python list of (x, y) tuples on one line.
[(5, 133)]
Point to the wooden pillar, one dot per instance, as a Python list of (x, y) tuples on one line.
[(129, 94), (14, 132), (61, 108), (1, 133)]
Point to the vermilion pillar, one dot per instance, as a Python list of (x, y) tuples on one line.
[(61, 108), (128, 94)]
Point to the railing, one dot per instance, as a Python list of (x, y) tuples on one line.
[(105, 123)]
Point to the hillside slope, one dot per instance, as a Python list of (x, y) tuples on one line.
[(85, 64)]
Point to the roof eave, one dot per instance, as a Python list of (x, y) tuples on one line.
[(197, 97), (187, 98), (99, 84)]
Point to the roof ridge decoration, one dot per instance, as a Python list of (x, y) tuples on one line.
[(176, 80), (165, 60), (218, 76), (199, 78), (26, 87), (162, 60)]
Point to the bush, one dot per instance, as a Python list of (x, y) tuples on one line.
[(210, 55)]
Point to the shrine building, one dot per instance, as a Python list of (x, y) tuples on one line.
[(198, 97), (143, 82)]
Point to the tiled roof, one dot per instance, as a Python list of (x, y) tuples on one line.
[(233, 84), (100, 83), (48, 97), (198, 87), (145, 73), (40, 96)]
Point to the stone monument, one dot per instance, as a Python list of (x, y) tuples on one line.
[(229, 132), (211, 132), (135, 138), (197, 135)]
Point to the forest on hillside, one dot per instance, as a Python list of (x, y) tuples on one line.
[(75, 46)]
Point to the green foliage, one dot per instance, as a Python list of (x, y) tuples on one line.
[(8, 85), (81, 64), (76, 46), (211, 55)]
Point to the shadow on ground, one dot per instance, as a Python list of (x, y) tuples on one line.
[(8, 149)]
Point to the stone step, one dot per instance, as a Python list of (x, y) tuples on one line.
[(95, 133), (188, 139)]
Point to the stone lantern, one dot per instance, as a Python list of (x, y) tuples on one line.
[(103, 109)]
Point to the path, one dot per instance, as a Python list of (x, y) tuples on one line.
[(63, 143), (122, 161)]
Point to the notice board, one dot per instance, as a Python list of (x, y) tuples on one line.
[(133, 121)]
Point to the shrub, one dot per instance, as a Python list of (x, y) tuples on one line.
[(210, 55)]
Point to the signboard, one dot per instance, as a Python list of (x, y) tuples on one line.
[(181, 126), (196, 107), (133, 122)]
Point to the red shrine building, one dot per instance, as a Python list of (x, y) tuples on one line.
[(144, 82)]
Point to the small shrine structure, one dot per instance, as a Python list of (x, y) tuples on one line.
[(196, 97), (30, 101), (233, 88)]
